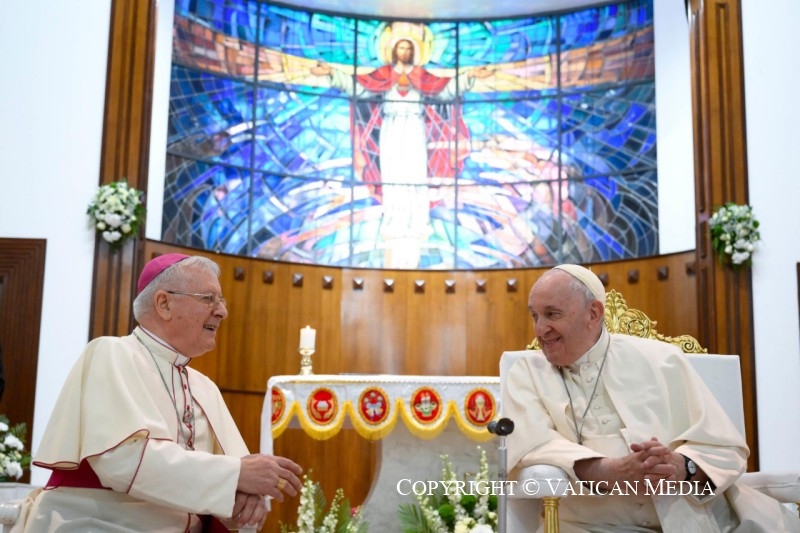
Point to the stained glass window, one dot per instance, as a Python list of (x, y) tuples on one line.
[(336, 140)]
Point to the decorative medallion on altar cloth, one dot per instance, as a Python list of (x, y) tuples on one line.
[(479, 406), (322, 405), (373, 405), (426, 404), (278, 404)]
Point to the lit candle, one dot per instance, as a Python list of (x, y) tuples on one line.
[(307, 338)]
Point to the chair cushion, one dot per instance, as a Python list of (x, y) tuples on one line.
[(783, 486)]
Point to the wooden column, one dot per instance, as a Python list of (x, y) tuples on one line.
[(125, 154), (724, 296)]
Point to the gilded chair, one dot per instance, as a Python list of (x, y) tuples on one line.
[(721, 373)]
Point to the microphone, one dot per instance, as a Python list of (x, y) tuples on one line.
[(502, 427)]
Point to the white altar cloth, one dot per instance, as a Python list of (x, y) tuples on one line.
[(373, 404), (439, 414)]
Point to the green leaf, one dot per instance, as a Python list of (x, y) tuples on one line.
[(412, 520), (319, 504)]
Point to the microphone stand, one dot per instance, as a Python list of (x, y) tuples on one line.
[(501, 428), (501, 499)]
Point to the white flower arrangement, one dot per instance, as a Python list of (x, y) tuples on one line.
[(116, 212), (453, 511), (734, 233), (312, 518), (13, 457)]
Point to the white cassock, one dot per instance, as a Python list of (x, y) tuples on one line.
[(647, 389), (123, 411)]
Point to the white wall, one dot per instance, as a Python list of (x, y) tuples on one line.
[(674, 128), (53, 56), (771, 42), (158, 128), (53, 64)]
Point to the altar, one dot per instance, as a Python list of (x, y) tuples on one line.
[(416, 419)]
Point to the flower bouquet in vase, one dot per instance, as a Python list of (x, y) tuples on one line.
[(14, 460), (734, 234), (116, 212)]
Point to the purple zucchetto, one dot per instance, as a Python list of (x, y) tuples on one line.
[(156, 266)]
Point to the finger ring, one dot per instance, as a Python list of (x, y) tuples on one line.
[(281, 484)]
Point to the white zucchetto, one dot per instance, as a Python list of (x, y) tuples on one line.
[(588, 278)]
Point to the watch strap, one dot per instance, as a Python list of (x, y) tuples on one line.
[(691, 468)]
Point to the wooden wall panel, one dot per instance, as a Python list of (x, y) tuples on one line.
[(725, 296), (671, 301), (374, 321), (256, 338), (497, 318), (436, 324), (125, 155), (22, 263), (244, 359)]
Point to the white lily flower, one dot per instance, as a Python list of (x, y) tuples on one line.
[(113, 210), (734, 233)]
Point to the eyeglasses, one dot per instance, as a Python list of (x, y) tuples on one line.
[(212, 300)]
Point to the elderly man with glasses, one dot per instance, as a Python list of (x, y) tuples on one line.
[(138, 440)]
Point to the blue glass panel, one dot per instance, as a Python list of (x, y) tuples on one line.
[(235, 18), (217, 36), (607, 45), (611, 131), (303, 220), (303, 134), (295, 42), (512, 141), (611, 217), (309, 35), (210, 118), (518, 54), (510, 226), (588, 26), (206, 206)]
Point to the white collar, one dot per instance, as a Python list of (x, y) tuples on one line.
[(179, 359), (595, 353)]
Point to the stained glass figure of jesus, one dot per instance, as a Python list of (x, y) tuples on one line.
[(415, 141)]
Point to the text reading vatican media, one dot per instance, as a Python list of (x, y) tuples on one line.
[(558, 487)]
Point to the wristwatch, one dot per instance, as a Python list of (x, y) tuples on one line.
[(691, 468)]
